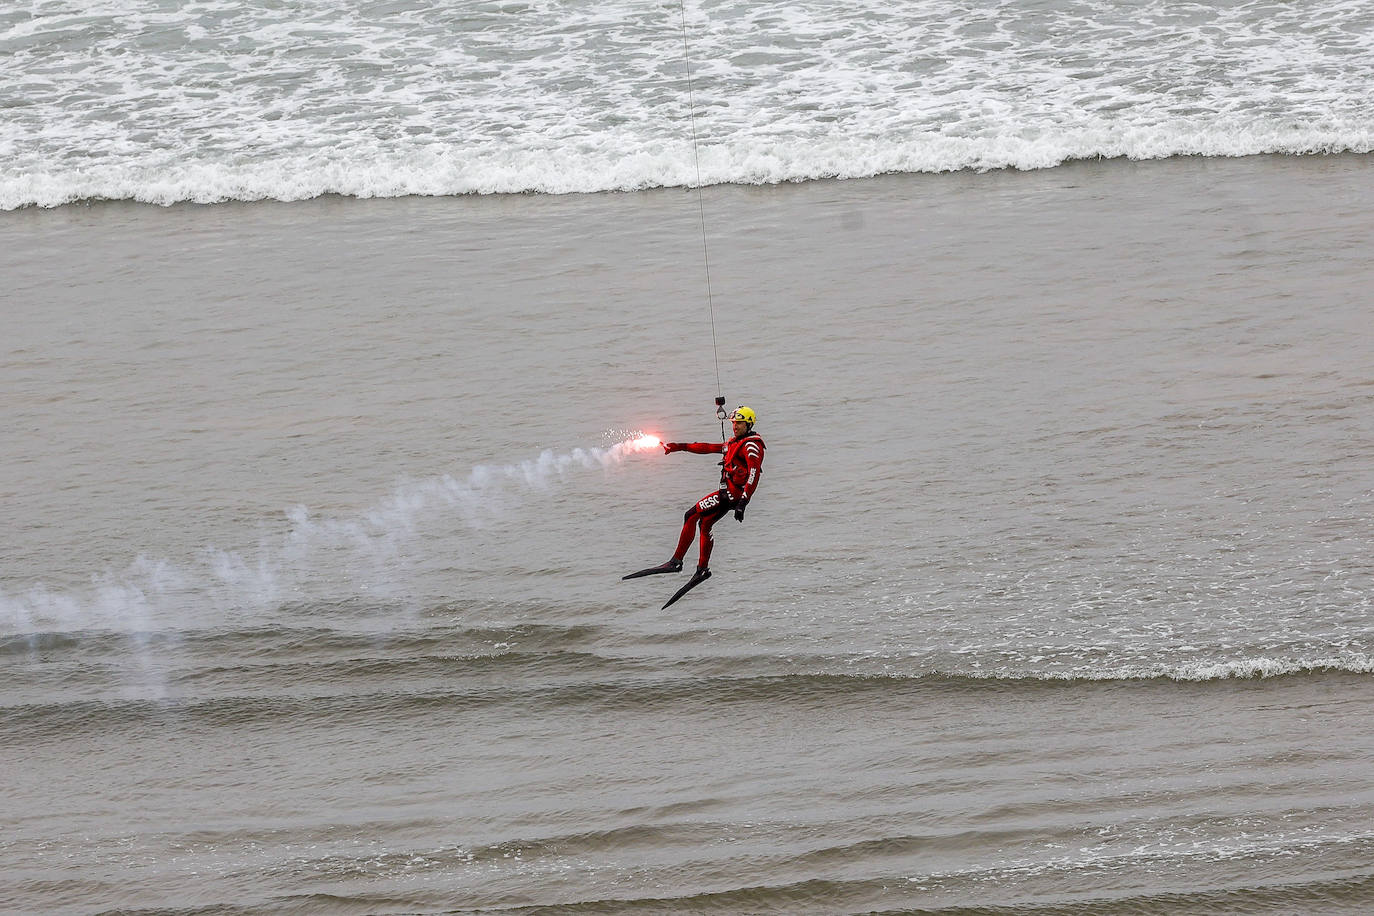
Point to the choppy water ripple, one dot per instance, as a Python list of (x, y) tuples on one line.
[(110, 681)]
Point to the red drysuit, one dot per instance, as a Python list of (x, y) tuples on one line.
[(739, 477)]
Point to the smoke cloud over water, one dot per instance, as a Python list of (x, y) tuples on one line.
[(331, 557)]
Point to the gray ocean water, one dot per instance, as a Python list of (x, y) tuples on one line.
[(1055, 596)]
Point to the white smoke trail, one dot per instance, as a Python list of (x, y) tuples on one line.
[(366, 552), (486, 484)]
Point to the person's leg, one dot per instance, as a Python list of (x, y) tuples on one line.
[(706, 523), (711, 506), (707, 541)]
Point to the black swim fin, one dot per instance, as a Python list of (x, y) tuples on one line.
[(671, 566), (698, 577)]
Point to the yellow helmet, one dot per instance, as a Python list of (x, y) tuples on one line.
[(744, 414)]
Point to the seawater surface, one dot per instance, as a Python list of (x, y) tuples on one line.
[(230, 100), (1055, 596)]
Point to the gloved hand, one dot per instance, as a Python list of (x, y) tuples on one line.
[(670, 447), (739, 511)]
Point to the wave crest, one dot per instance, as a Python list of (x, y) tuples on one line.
[(442, 172)]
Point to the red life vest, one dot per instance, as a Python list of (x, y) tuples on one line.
[(742, 466)]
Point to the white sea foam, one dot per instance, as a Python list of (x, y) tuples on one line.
[(1237, 669), (222, 101), (1160, 663), (1145, 844)]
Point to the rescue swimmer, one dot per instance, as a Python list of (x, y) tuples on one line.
[(741, 468)]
